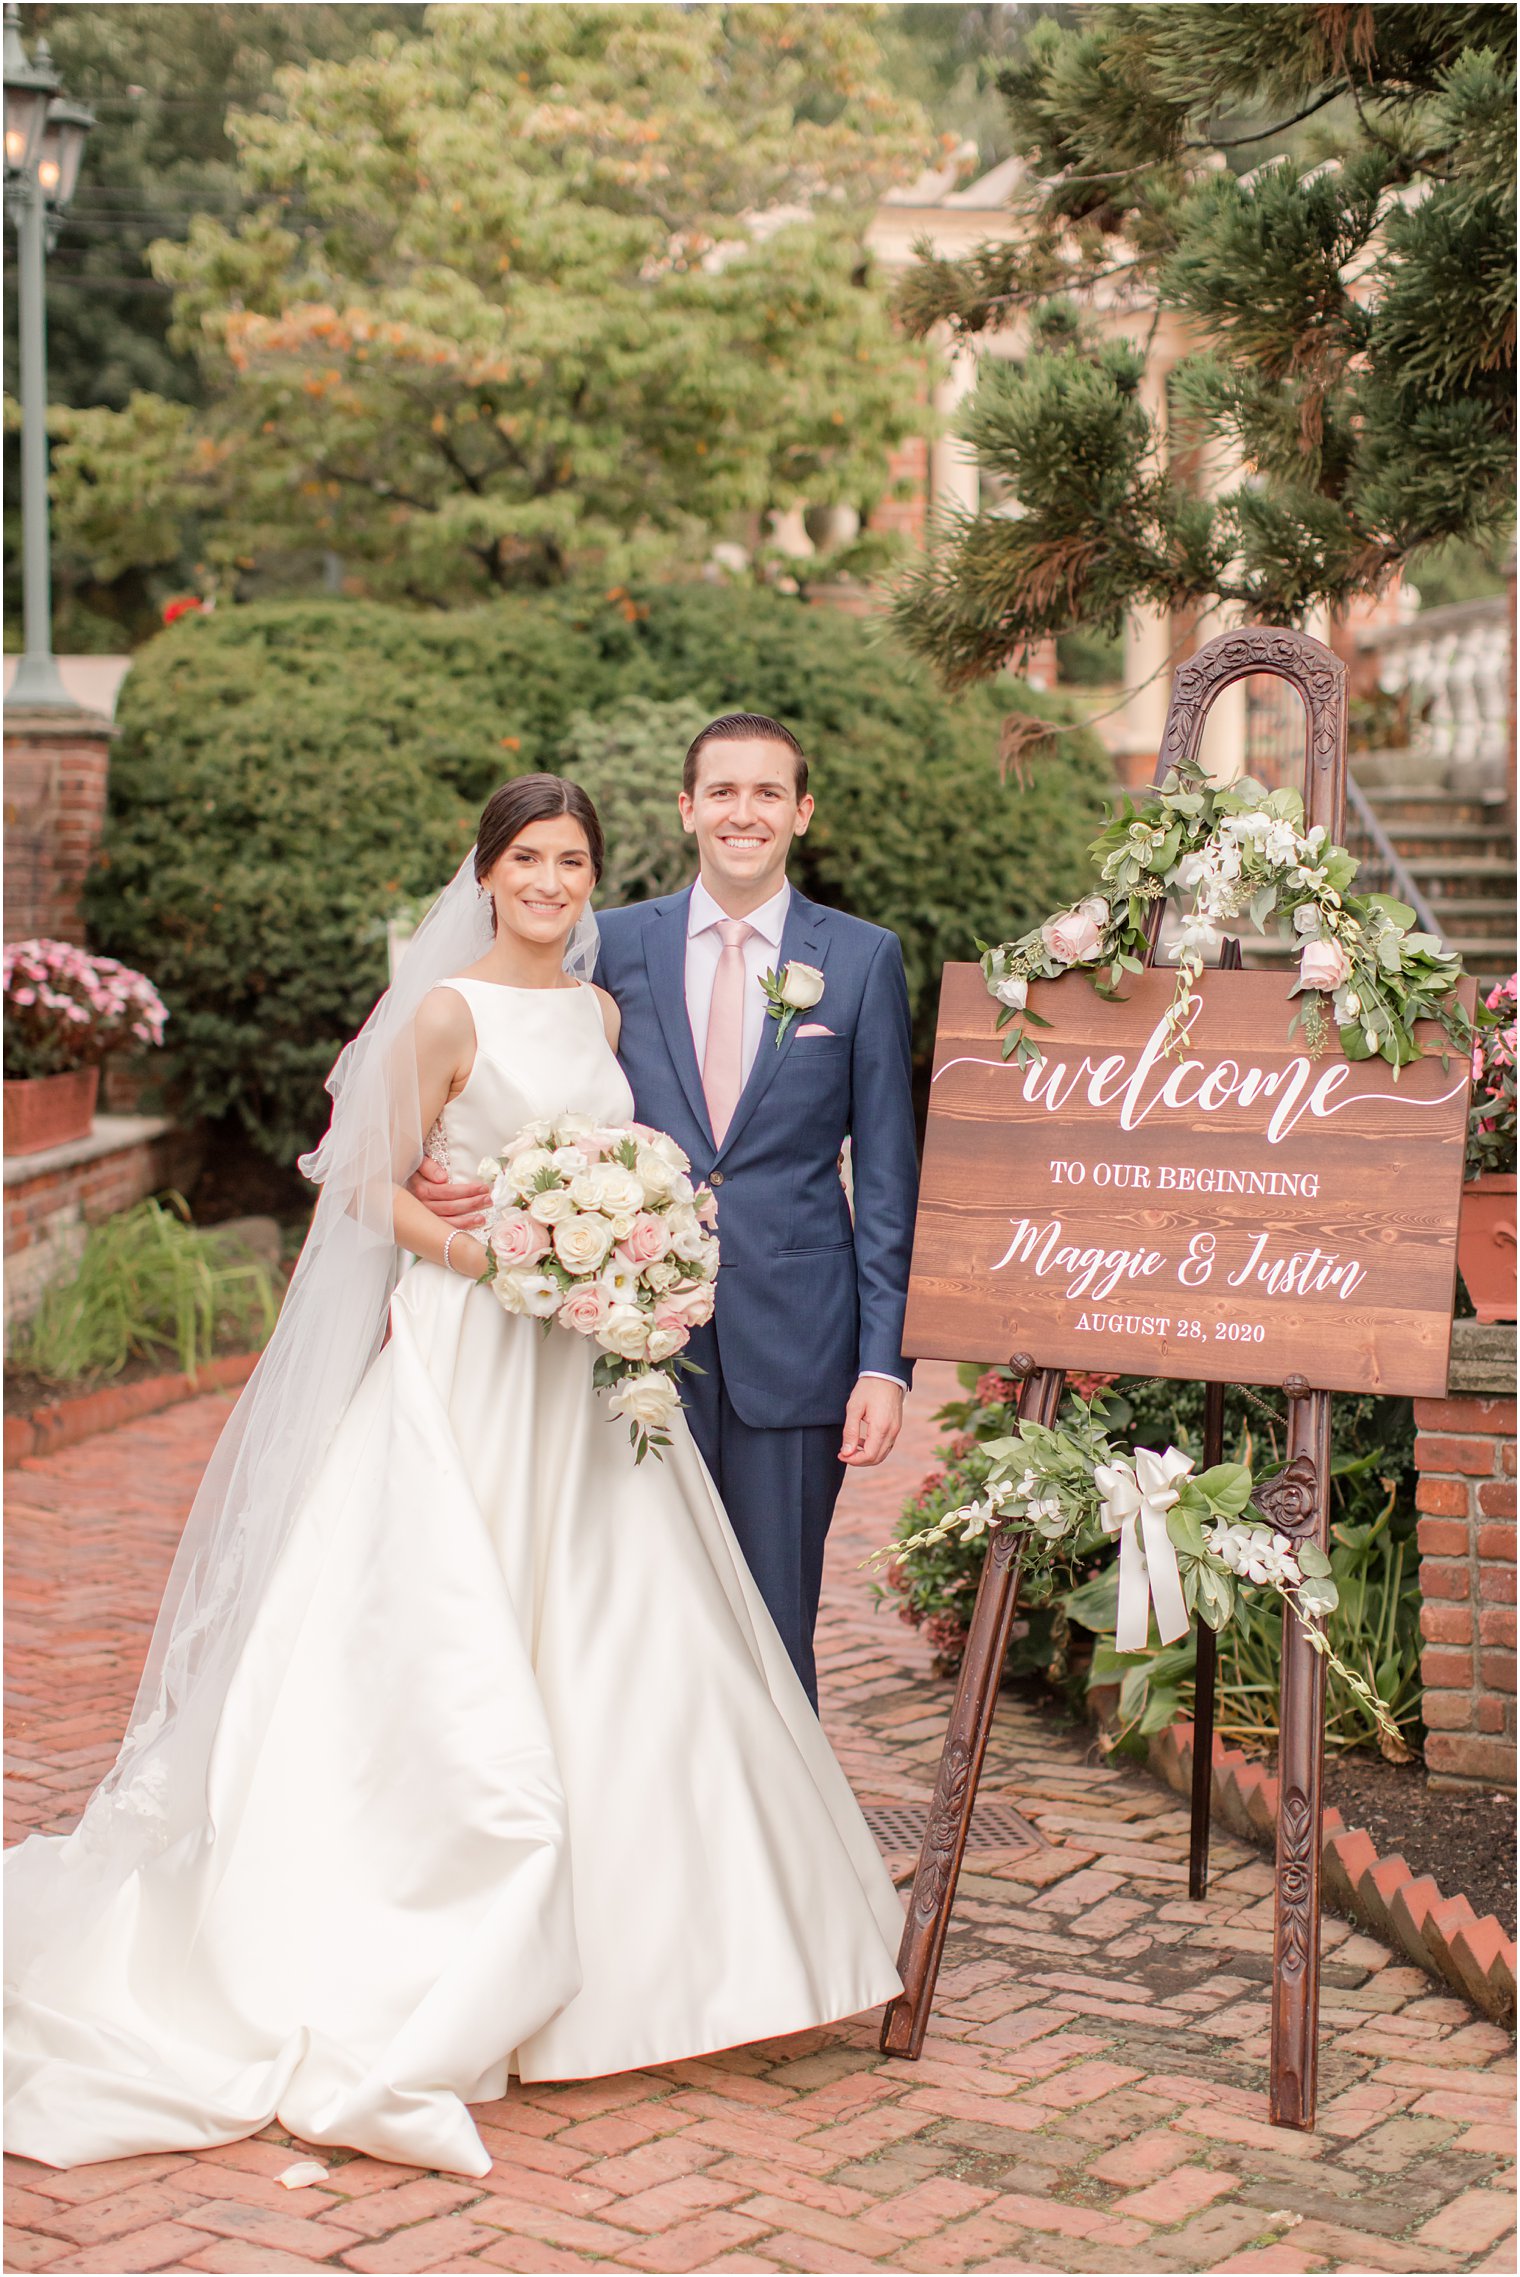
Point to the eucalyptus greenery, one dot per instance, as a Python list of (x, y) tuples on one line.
[(1046, 1479), (1239, 849)]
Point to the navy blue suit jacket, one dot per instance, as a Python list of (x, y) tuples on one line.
[(805, 1299)]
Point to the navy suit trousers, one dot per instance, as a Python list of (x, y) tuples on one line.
[(779, 1489)]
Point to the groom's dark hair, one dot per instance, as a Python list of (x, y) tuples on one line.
[(744, 727)]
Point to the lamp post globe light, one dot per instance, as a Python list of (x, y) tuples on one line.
[(44, 146)]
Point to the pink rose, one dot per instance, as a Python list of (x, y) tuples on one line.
[(706, 1204), (517, 1239), (647, 1239), (1324, 964), (586, 1309), (688, 1308), (1074, 938)]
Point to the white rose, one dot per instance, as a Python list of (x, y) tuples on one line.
[(658, 1176), (622, 1223), (533, 1293), (530, 1164), (552, 1207), (1306, 919), (504, 1189), (665, 1147), (569, 1128), (1014, 992), (626, 1332), (664, 1343), (801, 987), (568, 1159), (648, 1400), (581, 1244), (689, 1244), (619, 1192), (661, 1277)]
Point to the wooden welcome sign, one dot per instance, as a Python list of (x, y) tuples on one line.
[(1239, 1212), (1218, 1214)]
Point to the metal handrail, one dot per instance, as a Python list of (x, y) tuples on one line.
[(1360, 809)]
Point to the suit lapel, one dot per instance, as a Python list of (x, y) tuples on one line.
[(803, 936), (665, 962)]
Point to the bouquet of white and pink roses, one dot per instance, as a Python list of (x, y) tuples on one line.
[(599, 1228)]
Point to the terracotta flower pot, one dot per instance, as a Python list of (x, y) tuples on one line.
[(1486, 1244), (49, 1110)]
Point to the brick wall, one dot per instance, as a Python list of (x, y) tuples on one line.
[(909, 463), (47, 1212), (56, 765), (1466, 1497)]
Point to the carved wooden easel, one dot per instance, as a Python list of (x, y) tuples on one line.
[(1295, 1502)]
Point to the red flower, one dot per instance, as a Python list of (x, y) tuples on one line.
[(183, 605)]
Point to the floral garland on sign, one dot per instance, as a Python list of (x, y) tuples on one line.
[(1239, 849), (1186, 1543)]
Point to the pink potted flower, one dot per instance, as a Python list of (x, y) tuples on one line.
[(64, 1012), (1486, 1233)]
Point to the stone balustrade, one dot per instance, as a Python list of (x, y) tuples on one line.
[(1453, 665)]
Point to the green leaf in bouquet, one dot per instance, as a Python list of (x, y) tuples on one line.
[(1312, 1560), (1186, 1530), (1226, 1487), (1399, 912), (1216, 1594)]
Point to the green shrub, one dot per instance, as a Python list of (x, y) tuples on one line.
[(629, 759), (148, 1284), (288, 773)]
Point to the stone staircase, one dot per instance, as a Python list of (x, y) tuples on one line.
[(1451, 856), (1460, 853)]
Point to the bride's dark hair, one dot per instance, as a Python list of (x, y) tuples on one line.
[(534, 798)]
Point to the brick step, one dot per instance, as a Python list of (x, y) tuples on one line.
[(1451, 842), (1469, 878), (1394, 803), (1490, 917)]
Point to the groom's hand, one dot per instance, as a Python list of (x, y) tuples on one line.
[(460, 1205), (871, 1422)]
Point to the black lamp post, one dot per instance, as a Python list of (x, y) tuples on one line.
[(44, 146)]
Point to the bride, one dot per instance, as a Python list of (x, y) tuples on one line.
[(465, 1747)]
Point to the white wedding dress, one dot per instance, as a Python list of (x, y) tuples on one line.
[(515, 1776)]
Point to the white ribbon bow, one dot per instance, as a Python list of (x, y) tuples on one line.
[(1136, 1499)]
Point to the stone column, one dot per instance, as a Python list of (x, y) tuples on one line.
[(56, 765)]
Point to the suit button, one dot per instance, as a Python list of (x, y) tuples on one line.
[(716, 1179)]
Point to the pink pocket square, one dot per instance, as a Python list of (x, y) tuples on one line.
[(813, 1028)]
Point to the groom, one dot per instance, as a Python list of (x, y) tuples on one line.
[(804, 1373)]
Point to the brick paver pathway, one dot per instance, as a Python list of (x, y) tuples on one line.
[(1091, 2096)]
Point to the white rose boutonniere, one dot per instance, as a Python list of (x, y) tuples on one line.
[(796, 988)]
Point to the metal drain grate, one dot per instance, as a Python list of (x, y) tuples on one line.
[(899, 1827)]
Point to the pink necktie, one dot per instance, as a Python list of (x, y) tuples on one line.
[(723, 1060)]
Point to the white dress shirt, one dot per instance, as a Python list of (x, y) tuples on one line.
[(762, 954)]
